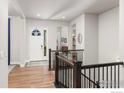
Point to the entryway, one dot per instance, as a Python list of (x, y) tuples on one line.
[(38, 44)]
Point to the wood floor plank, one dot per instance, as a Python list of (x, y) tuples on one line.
[(31, 77)]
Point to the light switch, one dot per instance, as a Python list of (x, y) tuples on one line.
[(118, 59), (2, 54)]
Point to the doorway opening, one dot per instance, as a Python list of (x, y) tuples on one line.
[(38, 47)]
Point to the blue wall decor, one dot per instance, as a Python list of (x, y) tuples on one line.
[(36, 33)]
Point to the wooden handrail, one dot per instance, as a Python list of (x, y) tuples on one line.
[(103, 70), (66, 61), (77, 50), (101, 65), (67, 50), (59, 51), (55, 50)]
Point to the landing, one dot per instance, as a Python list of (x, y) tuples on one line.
[(31, 77)]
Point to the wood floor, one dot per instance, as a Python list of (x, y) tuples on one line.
[(31, 77)]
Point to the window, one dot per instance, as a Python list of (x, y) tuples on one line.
[(36, 33)]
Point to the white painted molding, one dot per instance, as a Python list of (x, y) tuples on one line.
[(14, 62), (27, 61), (22, 64), (17, 7)]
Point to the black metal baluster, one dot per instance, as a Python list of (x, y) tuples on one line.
[(94, 76), (82, 81), (84, 78), (63, 72), (103, 76), (91, 85), (111, 76), (60, 71), (50, 59), (98, 75), (114, 76), (68, 77), (107, 76), (87, 80), (87, 84), (59, 68), (71, 78), (118, 76), (89, 77)]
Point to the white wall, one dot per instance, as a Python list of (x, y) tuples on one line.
[(80, 28), (18, 39), (108, 35), (87, 25), (121, 31), (64, 34), (3, 43), (91, 39), (121, 38), (51, 34)]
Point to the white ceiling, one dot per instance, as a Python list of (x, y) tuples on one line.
[(14, 9), (56, 9)]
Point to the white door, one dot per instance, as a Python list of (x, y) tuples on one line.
[(36, 44)]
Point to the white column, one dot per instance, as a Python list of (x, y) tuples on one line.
[(121, 32), (3, 43), (121, 39)]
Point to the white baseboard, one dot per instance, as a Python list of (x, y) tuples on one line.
[(27, 61), (22, 64), (15, 62)]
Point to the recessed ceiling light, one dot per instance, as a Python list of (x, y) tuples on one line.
[(38, 15), (63, 17)]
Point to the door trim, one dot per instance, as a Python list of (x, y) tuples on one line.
[(44, 57), (9, 41)]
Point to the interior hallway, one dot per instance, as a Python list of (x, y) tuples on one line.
[(31, 77)]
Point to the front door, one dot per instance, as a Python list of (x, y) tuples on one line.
[(37, 44)]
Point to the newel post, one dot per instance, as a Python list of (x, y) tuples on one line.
[(98, 86), (77, 75), (57, 69), (49, 59)]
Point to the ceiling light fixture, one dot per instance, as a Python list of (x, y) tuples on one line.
[(63, 17), (38, 15)]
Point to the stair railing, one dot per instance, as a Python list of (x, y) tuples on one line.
[(67, 73), (106, 75), (71, 74), (52, 57)]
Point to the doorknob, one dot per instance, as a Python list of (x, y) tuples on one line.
[(41, 46)]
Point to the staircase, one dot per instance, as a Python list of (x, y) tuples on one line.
[(105, 75), (71, 73)]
